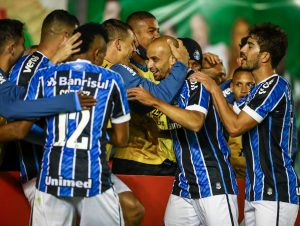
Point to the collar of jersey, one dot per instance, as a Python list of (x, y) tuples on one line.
[(267, 79), (80, 60)]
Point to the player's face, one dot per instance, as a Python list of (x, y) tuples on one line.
[(18, 49), (146, 31), (241, 84), (127, 48), (216, 72), (250, 55), (159, 61)]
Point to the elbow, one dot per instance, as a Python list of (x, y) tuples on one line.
[(234, 132), (196, 127)]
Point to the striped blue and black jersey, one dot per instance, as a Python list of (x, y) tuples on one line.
[(27, 66), (29, 154), (74, 161), (269, 145), (203, 166)]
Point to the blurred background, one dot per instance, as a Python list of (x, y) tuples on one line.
[(217, 25)]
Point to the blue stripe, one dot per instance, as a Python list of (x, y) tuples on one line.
[(271, 160)]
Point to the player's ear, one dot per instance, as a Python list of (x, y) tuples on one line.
[(265, 57), (117, 44), (172, 60)]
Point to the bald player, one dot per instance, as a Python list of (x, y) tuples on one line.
[(205, 189), (148, 153)]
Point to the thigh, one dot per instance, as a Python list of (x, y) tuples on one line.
[(180, 212), (275, 213), (51, 210), (103, 209), (217, 210), (118, 184)]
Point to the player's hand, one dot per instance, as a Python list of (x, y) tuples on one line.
[(68, 47), (141, 95), (211, 58), (204, 79), (86, 102), (180, 53)]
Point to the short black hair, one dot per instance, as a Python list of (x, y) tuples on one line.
[(61, 16), (272, 39), (116, 29), (88, 32), (10, 29), (139, 15)]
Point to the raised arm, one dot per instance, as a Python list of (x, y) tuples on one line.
[(190, 118), (235, 124)]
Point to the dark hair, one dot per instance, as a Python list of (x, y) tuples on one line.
[(10, 29), (238, 70), (243, 41), (61, 16), (139, 15), (88, 32), (116, 29), (272, 39)]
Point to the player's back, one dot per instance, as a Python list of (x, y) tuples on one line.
[(27, 66), (75, 144)]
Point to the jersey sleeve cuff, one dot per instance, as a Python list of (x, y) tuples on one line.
[(253, 114), (196, 107), (236, 109), (121, 119)]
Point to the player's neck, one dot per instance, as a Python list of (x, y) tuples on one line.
[(47, 49), (262, 73), (5, 65)]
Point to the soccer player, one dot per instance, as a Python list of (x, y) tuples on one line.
[(119, 50), (11, 48), (75, 174), (56, 32), (205, 189), (242, 82), (146, 153), (266, 116)]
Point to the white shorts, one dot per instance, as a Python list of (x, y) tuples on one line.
[(211, 211), (267, 213), (119, 185), (29, 190), (103, 209)]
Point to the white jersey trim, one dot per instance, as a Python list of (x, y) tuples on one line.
[(196, 107), (236, 109), (121, 119), (253, 114)]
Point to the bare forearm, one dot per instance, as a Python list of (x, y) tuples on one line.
[(226, 114), (188, 119), (14, 130)]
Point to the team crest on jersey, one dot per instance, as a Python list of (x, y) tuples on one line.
[(2, 79)]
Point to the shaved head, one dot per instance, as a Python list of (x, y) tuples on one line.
[(160, 57)]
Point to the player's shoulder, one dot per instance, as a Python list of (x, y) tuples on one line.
[(273, 83), (122, 68)]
